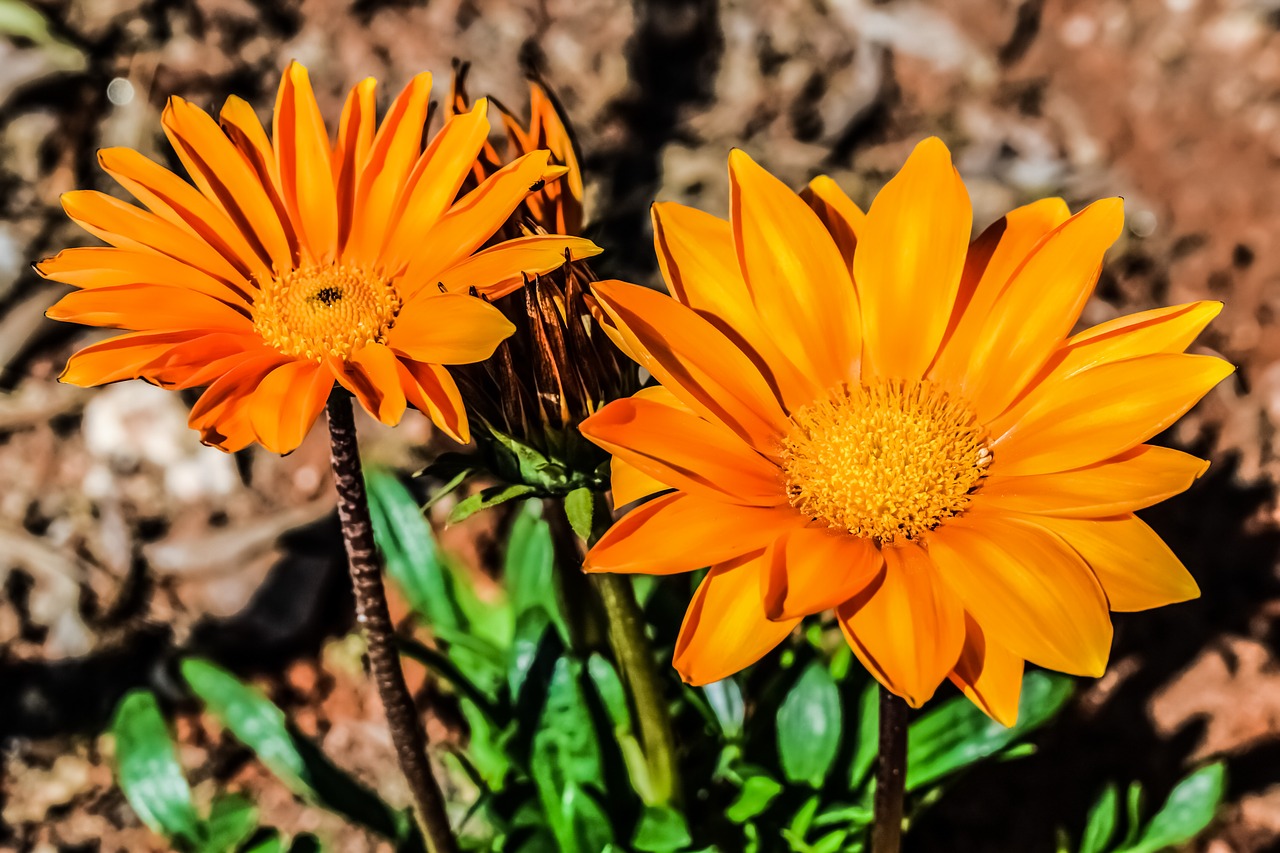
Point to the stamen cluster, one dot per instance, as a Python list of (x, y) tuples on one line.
[(325, 310)]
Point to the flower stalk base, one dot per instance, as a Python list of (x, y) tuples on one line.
[(375, 620)]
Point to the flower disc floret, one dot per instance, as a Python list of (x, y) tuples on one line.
[(884, 461), (326, 310)]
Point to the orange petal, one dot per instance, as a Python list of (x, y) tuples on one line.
[(476, 217), (435, 182), (501, 269), (373, 375), (840, 216), (725, 629), (697, 363), (1105, 411), (306, 173), (128, 227), (1136, 569), (226, 179), (240, 123), (699, 262), (431, 390), (148, 307), (685, 452), (990, 676), (628, 483), (992, 259), (798, 281), (816, 569), (448, 328), (204, 359), (287, 402), (680, 532), (1031, 593), (1133, 480), (395, 148), (910, 255), (105, 266), (121, 357), (355, 140), (181, 204), (907, 627), (1038, 307), (221, 414)]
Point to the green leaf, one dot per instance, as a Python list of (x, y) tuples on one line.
[(661, 830), (956, 734), (148, 768), (486, 498), (529, 566), (408, 546), (1100, 827), (441, 665), (1133, 811), (612, 693), (756, 795), (809, 722), (232, 820), (578, 505), (802, 820), (1189, 809), (725, 699), (864, 751)]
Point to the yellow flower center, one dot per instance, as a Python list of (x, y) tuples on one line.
[(325, 310), (886, 461)]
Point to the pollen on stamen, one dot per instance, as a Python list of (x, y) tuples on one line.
[(887, 461), (326, 310)]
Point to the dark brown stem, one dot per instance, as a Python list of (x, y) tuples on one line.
[(371, 612), (891, 772)]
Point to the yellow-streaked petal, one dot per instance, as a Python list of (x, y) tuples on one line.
[(448, 328), (816, 569), (685, 452), (148, 307), (680, 532), (699, 262), (432, 390), (695, 361), (1134, 565), (373, 376), (992, 259), (989, 675), (1102, 412), (306, 171), (1039, 305), (1133, 480), (798, 281), (225, 178), (910, 256), (435, 181), (842, 218), (907, 626), (501, 269), (287, 402), (725, 629), (1028, 589)]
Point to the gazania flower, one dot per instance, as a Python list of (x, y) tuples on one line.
[(290, 263), (869, 414)]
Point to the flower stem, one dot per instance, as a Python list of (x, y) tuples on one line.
[(371, 612), (891, 772)]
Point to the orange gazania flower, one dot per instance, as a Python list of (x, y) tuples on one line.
[(293, 263), (869, 414)]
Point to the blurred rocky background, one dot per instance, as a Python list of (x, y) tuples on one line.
[(123, 541)]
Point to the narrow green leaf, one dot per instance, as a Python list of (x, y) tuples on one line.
[(1100, 827), (148, 768), (612, 693), (529, 566), (756, 795), (1133, 812), (957, 734), (441, 665), (1188, 810), (661, 830), (486, 498), (409, 548), (725, 698), (864, 751), (809, 723), (578, 505), (232, 821)]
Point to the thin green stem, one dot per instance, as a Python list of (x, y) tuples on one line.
[(891, 772), (371, 612)]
